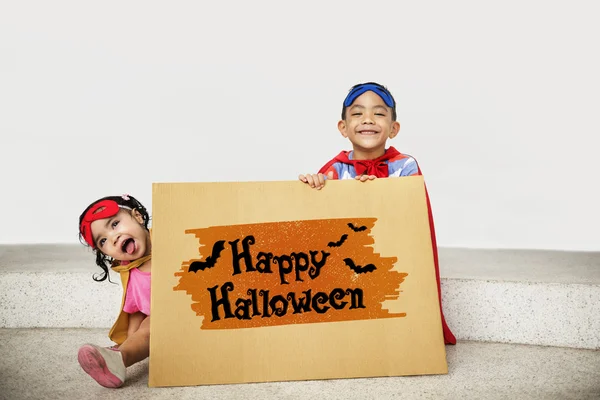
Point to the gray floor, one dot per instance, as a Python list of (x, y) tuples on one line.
[(42, 364)]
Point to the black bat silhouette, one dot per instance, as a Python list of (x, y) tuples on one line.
[(211, 260), (357, 268), (356, 229), (339, 242)]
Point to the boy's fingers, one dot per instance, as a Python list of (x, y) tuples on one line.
[(315, 180), (321, 180), (364, 178)]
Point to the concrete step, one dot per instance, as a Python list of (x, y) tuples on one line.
[(548, 298), (42, 364)]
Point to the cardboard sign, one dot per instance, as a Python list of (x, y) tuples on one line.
[(275, 281)]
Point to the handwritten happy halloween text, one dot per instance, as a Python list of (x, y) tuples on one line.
[(298, 264), (289, 272)]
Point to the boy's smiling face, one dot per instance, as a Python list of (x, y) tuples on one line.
[(368, 125)]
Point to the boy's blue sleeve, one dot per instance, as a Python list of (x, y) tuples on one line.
[(410, 167)]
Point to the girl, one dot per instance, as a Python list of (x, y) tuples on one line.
[(116, 228)]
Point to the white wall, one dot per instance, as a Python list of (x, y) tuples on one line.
[(499, 102)]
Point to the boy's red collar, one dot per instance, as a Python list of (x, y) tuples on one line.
[(377, 167)]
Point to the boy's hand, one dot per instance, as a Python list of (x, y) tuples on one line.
[(316, 181), (364, 178)]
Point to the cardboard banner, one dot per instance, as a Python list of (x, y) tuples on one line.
[(275, 281)]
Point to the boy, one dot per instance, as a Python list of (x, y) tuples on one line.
[(368, 121)]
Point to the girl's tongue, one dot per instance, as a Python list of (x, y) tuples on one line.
[(130, 246)]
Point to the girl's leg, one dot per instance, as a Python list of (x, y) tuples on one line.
[(137, 346)]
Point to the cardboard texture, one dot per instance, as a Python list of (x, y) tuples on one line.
[(275, 281)]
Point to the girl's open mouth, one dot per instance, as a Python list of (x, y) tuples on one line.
[(128, 246)]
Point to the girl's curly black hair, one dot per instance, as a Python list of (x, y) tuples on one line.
[(102, 260)]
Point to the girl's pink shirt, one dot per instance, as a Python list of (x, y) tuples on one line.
[(138, 292)]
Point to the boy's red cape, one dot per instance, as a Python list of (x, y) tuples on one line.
[(379, 168)]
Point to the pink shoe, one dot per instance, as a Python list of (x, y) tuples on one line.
[(105, 365)]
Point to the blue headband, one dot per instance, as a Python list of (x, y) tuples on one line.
[(360, 89)]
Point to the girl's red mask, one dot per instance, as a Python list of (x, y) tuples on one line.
[(100, 210)]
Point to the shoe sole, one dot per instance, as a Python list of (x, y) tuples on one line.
[(95, 366)]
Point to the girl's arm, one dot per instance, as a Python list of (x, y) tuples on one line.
[(135, 320)]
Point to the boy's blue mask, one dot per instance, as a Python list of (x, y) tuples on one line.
[(381, 92)]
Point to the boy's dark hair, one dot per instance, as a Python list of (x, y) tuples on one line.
[(102, 260), (379, 89)]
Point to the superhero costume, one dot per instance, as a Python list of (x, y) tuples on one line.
[(391, 164)]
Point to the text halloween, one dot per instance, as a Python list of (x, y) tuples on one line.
[(300, 265)]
